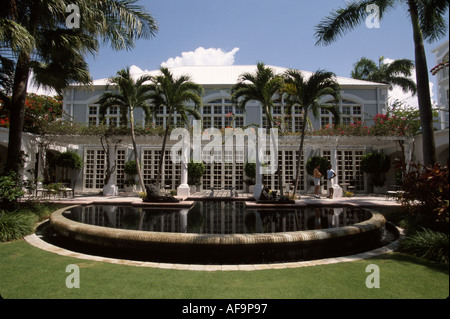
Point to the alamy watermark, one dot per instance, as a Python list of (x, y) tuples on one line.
[(73, 19), (373, 19), (73, 279), (373, 280), (250, 143)]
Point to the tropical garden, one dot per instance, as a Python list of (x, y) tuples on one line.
[(34, 38)]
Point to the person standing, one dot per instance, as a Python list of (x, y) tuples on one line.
[(317, 175), (330, 175)]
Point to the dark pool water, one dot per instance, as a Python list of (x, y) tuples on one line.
[(217, 218)]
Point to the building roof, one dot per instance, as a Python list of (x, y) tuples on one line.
[(228, 75)]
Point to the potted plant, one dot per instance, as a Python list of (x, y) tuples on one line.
[(68, 161), (195, 173), (250, 173), (131, 171), (376, 164)]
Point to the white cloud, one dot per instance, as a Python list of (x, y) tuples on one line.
[(408, 99), (202, 56)]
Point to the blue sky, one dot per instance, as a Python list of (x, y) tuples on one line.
[(276, 32)]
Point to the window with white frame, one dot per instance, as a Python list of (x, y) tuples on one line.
[(283, 121), (350, 112), (349, 168), (161, 118), (95, 166), (111, 117), (221, 113)]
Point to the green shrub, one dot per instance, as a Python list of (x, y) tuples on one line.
[(432, 245), (67, 161), (375, 164), (195, 173), (426, 193), (40, 210), (15, 225), (10, 189), (250, 172), (130, 168)]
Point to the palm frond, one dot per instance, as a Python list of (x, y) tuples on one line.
[(432, 18), (407, 85), (363, 68), (123, 22), (342, 20), (15, 36)]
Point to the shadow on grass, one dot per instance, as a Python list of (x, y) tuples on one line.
[(403, 258)]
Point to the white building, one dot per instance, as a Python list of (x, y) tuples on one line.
[(360, 101), (441, 71)]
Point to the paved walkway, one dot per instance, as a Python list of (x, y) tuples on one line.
[(365, 200), (358, 200)]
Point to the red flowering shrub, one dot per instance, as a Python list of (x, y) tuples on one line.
[(38, 108), (426, 191), (398, 121)]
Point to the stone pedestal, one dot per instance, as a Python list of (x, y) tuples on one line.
[(337, 191), (183, 190), (110, 190)]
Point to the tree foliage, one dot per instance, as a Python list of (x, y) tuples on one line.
[(426, 192), (317, 160)]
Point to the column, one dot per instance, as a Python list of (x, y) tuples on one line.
[(183, 190), (259, 155), (111, 188)]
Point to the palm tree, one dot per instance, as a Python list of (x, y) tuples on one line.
[(262, 86), (428, 22), (174, 93), (395, 73), (56, 53), (129, 95), (307, 94)]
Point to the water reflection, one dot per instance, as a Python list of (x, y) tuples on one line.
[(217, 218)]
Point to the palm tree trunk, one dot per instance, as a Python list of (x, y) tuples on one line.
[(280, 179), (423, 89), (300, 151), (136, 157), (17, 113), (279, 170)]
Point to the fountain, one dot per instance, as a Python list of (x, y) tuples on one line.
[(218, 232)]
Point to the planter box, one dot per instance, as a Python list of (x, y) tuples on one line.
[(379, 189), (130, 189), (195, 188)]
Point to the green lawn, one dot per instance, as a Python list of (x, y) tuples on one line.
[(28, 272)]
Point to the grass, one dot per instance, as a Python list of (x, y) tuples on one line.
[(28, 272)]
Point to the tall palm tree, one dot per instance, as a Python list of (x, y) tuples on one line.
[(307, 94), (428, 22), (55, 53), (263, 86), (129, 95), (174, 93), (396, 73)]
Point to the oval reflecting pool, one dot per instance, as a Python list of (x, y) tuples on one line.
[(217, 218), (216, 232)]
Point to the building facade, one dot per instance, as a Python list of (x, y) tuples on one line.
[(441, 72), (360, 102)]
